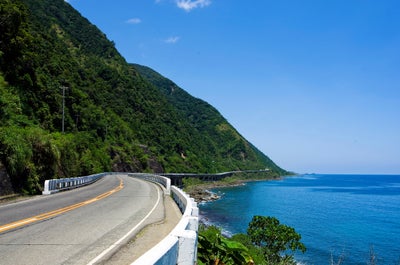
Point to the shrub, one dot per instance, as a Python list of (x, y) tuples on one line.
[(274, 239)]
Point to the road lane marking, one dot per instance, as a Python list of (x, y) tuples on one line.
[(54, 213), (118, 242)]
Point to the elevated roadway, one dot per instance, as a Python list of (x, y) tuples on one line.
[(83, 226), (177, 178)]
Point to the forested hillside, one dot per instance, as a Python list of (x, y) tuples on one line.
[(212, 129), (57, 71)]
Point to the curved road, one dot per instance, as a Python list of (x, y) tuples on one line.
[(81, 226)]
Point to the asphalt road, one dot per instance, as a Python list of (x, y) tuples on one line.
[(103, 217)]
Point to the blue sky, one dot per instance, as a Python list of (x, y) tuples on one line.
[(314, 84)]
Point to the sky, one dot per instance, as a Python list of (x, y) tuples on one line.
[(314, 84)]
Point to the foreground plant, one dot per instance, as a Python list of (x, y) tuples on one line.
[(215, 249), (266, 242)]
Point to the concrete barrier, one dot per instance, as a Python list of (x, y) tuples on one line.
[(56, 185), (180, 246)]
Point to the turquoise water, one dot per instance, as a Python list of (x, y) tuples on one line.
[(337, 215)]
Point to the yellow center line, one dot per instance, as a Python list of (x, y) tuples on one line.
[(50, 214)]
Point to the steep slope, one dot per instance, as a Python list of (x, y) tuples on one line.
[(219, 137), (57, 70)]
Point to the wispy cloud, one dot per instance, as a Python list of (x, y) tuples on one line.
[(172, 40), (134, 21), (188, 5)]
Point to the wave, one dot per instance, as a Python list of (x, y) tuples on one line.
[(207, 222)]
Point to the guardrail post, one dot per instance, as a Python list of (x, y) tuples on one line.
[(46, 190), (168, 186), (187, 247), (193, 224)]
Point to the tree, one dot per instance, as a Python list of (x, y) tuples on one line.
[(275, 239)]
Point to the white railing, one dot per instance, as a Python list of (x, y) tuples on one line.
[(56, 185)]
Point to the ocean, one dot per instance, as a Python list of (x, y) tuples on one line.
[(338, 216)]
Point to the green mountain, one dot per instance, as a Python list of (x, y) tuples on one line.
[(60, 72)]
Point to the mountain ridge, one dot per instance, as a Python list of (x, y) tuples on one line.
[(184, 103), (117, 116)]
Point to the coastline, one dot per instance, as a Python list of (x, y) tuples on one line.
[(313, 205), (201, 192)]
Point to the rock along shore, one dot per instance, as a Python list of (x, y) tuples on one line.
[(201, 192)]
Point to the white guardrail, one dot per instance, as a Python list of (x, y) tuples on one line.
[(55, 185), (178, 247)]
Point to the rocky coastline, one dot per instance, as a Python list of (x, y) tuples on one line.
[(202, 193)]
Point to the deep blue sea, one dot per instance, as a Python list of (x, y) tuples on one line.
[(337, 215)]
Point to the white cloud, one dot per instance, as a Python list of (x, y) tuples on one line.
[(134, 21), (188, 5), (172, 40)]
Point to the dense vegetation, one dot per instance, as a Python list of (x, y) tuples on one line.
[(117, 116), (210, 128), (267, 242)]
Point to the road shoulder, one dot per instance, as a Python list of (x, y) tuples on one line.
[(148, 236)]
